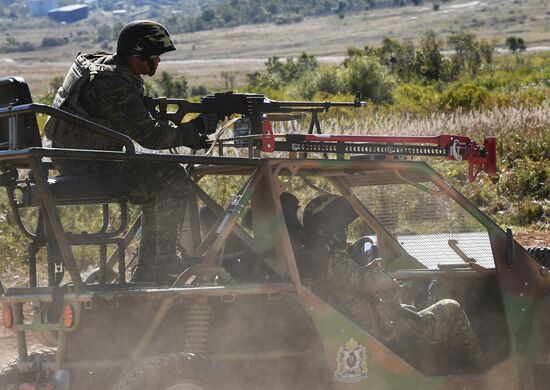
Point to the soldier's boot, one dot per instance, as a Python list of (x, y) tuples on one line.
[(170, 211), (171, 263), (144, 270)]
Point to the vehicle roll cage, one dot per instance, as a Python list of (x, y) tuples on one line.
[(21, 150)]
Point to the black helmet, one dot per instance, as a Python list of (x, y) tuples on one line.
[(327, 217), (144, 38)]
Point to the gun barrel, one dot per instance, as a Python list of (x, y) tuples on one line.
[(324, 105)]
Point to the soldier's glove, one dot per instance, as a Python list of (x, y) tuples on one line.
[(206, 123), (202, 143)]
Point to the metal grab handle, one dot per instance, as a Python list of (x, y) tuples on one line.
[(55, 112)]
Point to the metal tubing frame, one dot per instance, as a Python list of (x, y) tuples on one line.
[(127, 238), (17, 294), (220, 212), (103, 233), (12, 113), (107, 155), (53, 219), (34, 153), (230, 219), (15, 207), (21, 339), (283, 236)]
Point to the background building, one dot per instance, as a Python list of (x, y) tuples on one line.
[(70, 13)]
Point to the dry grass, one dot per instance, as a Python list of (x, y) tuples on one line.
[(206, 54), (530, 121)]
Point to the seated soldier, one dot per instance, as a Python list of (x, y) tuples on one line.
[(373, 298), (108, 89)]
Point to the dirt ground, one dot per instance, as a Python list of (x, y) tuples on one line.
[(8, 345)]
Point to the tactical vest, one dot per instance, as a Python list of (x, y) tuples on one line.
[(64, 134)]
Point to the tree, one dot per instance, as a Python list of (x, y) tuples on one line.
[(292, 68), (208, 15), (487, 50), (515, 43), (398, 57), (467, 54), (341, 8), (429, 61)]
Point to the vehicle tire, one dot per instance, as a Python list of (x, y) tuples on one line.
[(541, 254), (175, 371), (44, 354)]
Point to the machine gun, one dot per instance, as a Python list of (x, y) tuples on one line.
[(254, 130), (253, 108)]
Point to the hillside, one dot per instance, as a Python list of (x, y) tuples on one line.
[(203, 55)]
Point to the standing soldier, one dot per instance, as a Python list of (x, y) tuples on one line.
[(373, 298), (108, 89)]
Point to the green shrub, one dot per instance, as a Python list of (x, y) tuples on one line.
[(465, 96), (199, 90), (531, 97), (528, 212), (54, 41), (366, 75), (171, 86), (526, 178), (330, 80), (412, 98)]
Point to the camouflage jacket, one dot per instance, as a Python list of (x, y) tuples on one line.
[(348, 279), (369, 295), (103, 88)]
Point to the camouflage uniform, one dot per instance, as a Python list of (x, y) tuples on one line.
[(372, 298), (103, 88)]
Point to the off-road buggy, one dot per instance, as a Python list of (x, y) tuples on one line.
[(245, 315)]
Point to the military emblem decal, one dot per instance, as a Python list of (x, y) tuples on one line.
[(351, 362)]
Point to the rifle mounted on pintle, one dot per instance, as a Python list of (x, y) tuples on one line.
[(253, 107)]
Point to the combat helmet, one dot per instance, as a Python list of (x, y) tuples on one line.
[(144, 38), (327, 218)]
